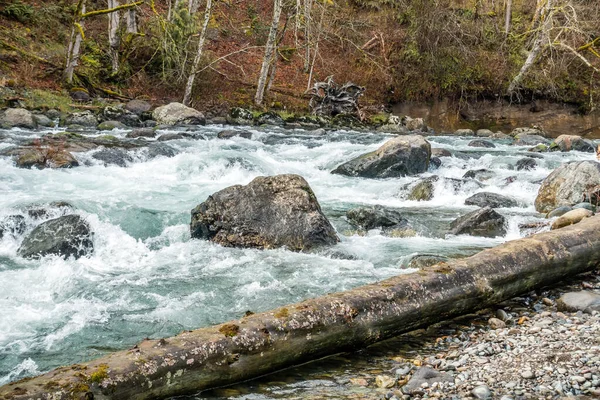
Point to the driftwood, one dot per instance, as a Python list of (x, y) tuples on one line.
[(329, 99), (262, 343)]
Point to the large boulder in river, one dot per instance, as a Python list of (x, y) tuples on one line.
[(489, 199), (401, 156), (178, 114), (17, 118), (41, 158), (269, 212), (569, 184), (66, 236), (483, 222), (572, 142)]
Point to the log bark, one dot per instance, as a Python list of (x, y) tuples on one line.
[(297, 333)]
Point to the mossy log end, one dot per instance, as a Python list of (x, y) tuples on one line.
[(262, 343)]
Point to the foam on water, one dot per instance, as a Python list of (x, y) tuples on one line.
[(147, 278)]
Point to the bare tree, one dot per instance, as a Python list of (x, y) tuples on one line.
[(269, 50), (74, 48), (131, 17), (508, 16), (307, 33), (114, 40), (194, 71)]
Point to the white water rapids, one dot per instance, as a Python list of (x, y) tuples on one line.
[(147, 278)]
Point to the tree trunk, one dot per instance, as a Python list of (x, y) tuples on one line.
[(307, 35), (316, 50), (193, 6), (114, 41), (263, 343), (508, 16), (75, 40), (131, 16), (194, 71), (269, 50)]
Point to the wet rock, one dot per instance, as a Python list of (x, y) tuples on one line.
[(484, 133), (571, 217), (12, 225), (425, 375), (110, 125), (423, 190), (42, 211), (141, 132), (401, 156), (481, 143), (165, 137), (479, 174), (464, 132), (527, 131), (421, 261), (385, 381), (84, 118), (367, 218), (240, 116), (138, 107), (42, 120), (40, 157), (161, 150), (502, 315), (569, 184), (530, 140), (483, 222), (558, 211), (117, 157), (435, 162), (270, 118), (526, 164), (65, 236), (178, 114), (540, 148), (17, 118), (496, 323), (120, 114), (437, 152), (585, 301), (493, 200), (392, 128), (572, 142), (414, 124), (229, 133), (269, 212)]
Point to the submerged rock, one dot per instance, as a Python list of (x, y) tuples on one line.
[(571, 217), (493, 200), (141, 132), (269, 212), (425, 376), (117, 157), (42, 211), (481, 143), (479, 174), (526, 164), (569, 184), (160, 150), (437, 152), (110, 125), (483, 222), (401, 156), (66, 236), (572, 142), (390, 221), (423, 190), (229, 133), (178, 114)]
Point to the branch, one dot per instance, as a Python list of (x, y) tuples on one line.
[(110, 10), (28, 54), (582, 58)]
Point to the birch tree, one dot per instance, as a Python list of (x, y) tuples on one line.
[(508, 16), (114, 41), (131, 20), (74, 47), (269, 51), (194, 71)]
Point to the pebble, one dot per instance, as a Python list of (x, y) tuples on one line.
[(385, 381), (496, 323), (527, 374), (482, 392)]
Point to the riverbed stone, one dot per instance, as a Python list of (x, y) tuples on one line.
[(119, 113), (489, 199), (482, 392), (83, 118), (526, 164), (41, 157), (584, 300), (438, 152), (117, 157), (385, 381), (377, 217), (585, 205), (42, 120), (178, 114), (496, 323), (230, 133), (558, 211), (481, 175), (423, 190), (270, 118), (66, 236), (269, 212), (110, 125), (481, 143), (571, 217), (530, 140), (527, 131), (572, 142), (17, 118), (401, 156), (138, 107), (160, 150), (425, 375), (141, 132), (240, 116), (483, 222), (464, 132), (569, 184)]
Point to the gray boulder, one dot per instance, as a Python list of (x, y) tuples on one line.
[(572, 142), (17, 118), (117, 157), (240, 116), (559, 211), (138, 107), (110, 125), (229, 133), (483, 222), (160, 150), (526, 164), (178, 114), (425, 375), (423, 190), (571, 183), (493, 200), (29, 157), (42, 120), (84, 118), (530, 140), (401, 156), (437, 152), (585, 301), (141, 132), (527, 131), (65, 236), (464, 132), (269, 212), (390, 221), (270, 118), (481, 175), (119, 113), (481, 143)]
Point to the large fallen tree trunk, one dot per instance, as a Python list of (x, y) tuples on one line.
[(269, 341)]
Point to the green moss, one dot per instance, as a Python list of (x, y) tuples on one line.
[(282, 313), (45, 99), (100, 374), (379, 119), (229, 330)]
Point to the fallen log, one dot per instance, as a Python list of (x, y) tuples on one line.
[(262, 343)]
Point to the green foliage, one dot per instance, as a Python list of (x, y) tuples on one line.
[(45, 99), (19, 12)]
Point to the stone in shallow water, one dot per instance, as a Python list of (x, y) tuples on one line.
[(425, 375), (579, 301), (489, 199), (385, 381), (483, 222), (481, 143)]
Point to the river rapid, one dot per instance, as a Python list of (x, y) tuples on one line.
[(147, 278)]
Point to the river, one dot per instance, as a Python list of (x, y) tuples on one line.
[(147, 278)]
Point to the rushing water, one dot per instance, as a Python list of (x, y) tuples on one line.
[(147, 278)]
